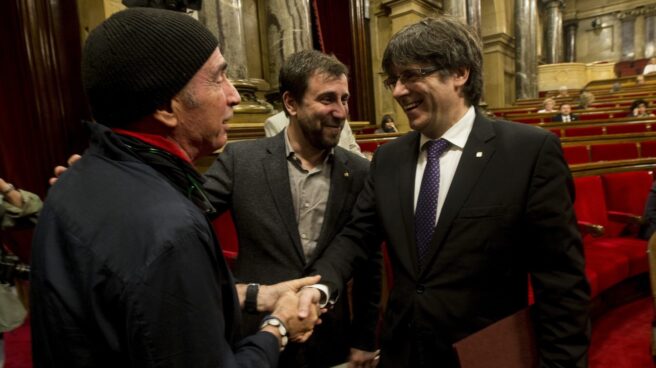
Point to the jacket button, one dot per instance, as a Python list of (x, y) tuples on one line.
[(420, 289)]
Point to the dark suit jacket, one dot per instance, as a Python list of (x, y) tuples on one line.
[(508, 212), (559, 118), (252, 179)]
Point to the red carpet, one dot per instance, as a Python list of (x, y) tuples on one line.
[(621, 338)]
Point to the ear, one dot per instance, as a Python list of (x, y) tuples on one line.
[(460, 76), (290, 103), (166, 114)]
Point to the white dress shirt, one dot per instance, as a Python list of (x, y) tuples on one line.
[(457, 135)]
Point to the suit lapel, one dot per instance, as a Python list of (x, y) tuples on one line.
[(475, 156), (340, 185), (276, 172), (406, 188)]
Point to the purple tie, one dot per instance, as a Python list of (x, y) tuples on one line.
[(426, 210)]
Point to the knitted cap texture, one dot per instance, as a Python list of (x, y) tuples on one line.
[(138, 59)]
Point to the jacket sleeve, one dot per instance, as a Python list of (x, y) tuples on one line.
[(180, 311), (556, 262), (366, 295)]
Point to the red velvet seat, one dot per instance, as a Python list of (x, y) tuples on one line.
[(590, 207), (576, 154), (556, 132), (627, 192), (614, 151), (609, 267), (368, 146), (583, 131), (635, 251), (626, 128), (648, 149)]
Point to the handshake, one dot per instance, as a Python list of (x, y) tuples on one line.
[(293, 303)]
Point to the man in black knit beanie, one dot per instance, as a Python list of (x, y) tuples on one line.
[(126, 268)]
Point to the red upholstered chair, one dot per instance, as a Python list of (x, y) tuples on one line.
[(583, 131), (627, 192), (556, 132), (626, 128), (592, 214), (648, 149), (614, 151), (368, 146), (227, 235), (576, 154)]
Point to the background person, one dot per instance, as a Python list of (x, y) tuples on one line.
[(639, 109), (387, 125), (548, 105), (565, 115)]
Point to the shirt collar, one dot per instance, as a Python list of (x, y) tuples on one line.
[(458, 133)]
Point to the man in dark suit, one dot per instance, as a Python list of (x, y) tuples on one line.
[(290, 195), (469, 207), (565, 115)]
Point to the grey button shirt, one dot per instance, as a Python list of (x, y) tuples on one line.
[(310, 189)]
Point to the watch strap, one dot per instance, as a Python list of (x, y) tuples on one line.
[(250, 303)]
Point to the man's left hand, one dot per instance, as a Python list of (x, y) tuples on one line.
[(363, 359)]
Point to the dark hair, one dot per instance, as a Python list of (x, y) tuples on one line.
[(637, 103), (444, 42), (300, 66), (386, 118)]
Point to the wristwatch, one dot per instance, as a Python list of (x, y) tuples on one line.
[(250, 303), (276, 322)]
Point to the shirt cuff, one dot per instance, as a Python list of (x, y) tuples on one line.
[(324, 291)]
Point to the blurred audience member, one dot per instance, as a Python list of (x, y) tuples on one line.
[(387, 125), (616, 87), (549, 105), (562, 92), (585, 100), (650, 67), (639, 109), (640, 80), (565, 115)]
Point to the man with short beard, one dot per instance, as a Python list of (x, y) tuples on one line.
[(290, 195)]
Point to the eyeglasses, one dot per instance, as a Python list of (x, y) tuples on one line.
[(409, 76)]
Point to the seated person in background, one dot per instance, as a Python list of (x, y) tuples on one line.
[(17, 205), (650, 67), (616, 87), (639, 109), (548, 105), (585, 100), (562, 92), (565, 115), (387, 125), (276, 123), (640, 80)]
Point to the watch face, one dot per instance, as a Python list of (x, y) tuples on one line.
[(274, 322)]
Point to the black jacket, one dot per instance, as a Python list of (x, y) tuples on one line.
[(126, 272)]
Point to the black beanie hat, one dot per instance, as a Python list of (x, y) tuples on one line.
[(138, 59)]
